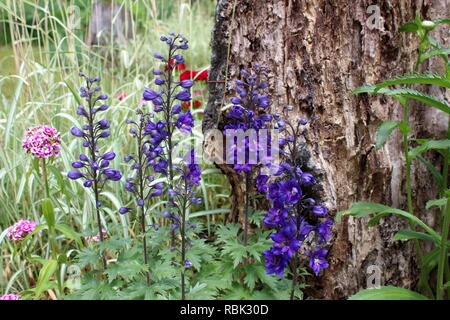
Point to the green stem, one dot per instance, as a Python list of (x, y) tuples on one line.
[(44, 176), (51, 231), (443, 254)]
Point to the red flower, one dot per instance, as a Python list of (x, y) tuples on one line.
[(181, 66), (194, 75), (187, 105)]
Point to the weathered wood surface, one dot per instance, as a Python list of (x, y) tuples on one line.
[(318, 51)]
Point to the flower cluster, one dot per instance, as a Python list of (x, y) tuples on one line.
[(97, 166), (10, 297), (248, 112), (42, 141), (295, 216), (20, 229), (155, 136)]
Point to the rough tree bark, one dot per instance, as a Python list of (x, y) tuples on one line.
[(318, 51)]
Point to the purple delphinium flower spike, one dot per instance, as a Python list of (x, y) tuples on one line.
[(94, 164)]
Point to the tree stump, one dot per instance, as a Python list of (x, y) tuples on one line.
[(318, 51)]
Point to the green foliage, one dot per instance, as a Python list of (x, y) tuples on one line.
[(387, 293), (438, 256)]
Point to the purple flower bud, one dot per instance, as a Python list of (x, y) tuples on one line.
[(167, 214), (102, 97), (176, 109), (78, 164), (186, 84), (84, 157), (308, 178), (150, 94), (158, 185), (103, 124), (103, 107), (156, 193), (303, 121), (236, 100), (124, 210), (163, 38), (99, 204), (158, 56), (140, 203), (74, 174), (187, 263), (157, 72), (104, 164), (77, 132), (104, 134), (159, 81), (88, 183), (183, 95), (128, 158), (319, 210), (108, 156)]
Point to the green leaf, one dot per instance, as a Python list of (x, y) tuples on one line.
[(419, 96), (383, 133), (364, 209), (48, 269), (409, 26), (74, 93), (429, 145), (419, 78), (434, 172), (444, 52), (387, 293), (49, 213), (69, 233), (408, 234), (441, 20), (438, 202)]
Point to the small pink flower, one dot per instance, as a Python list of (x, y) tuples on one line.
[(20, 229), (10, 297), (42, 141), (95, 238), (121, 95)]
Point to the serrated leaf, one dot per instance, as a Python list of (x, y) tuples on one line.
[(383, 132), (419, 96), (417, 78), (387, 293)]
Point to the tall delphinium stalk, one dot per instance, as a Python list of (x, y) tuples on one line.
[(140, 184), (298, 220), (95, 164), (164, 100), (247, 113), (161, 143)]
